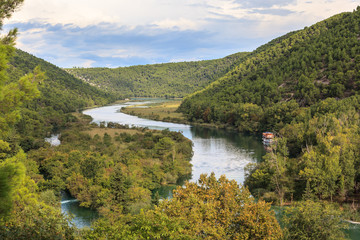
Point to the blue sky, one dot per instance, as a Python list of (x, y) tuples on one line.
[(113, 33)]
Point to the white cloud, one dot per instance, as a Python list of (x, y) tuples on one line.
[(123, 32), (88, 12), (317, 10), (304, 13), (181, 14)]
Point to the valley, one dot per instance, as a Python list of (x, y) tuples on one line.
[(174, 151)]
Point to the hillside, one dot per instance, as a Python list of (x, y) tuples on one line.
[(60, 90), (304, 87), (296, 70), (60, 93), (158, 80)]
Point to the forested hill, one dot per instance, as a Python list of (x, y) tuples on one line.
[(60, 90), (296, 70), (60, 93), (158, 80)]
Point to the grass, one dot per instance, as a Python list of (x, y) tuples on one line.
[(111, 131), (165, 111)]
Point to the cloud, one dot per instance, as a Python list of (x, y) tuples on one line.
[(177, 24), (121, 32), (279, 12), (91, 12), (109, 44), (264, 4)]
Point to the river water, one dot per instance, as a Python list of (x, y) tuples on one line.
[(215, 150)]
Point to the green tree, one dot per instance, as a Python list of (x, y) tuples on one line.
[(12, 97), (32, 218), (313, 220), (277, 162), (217, 209)]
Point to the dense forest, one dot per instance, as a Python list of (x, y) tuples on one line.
[(296, 70), (158, 80), (112, 167)]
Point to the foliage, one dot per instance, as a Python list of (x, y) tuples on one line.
[(313, 220), (212, 209), (303, 85), (11, 175), (22, 214), (320, 155), (113, 166), (12, 97), (32, 218), (59, 89)]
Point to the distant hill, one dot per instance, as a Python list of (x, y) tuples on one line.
[(295, 70), (158, 80)]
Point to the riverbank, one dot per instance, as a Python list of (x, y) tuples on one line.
[(159, 111), (166, 111)]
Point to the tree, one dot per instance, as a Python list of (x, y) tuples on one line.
[(12, 97), (33, 219), (313, 220), (277, 160), (11, 174), (210, 209), (215, 209)]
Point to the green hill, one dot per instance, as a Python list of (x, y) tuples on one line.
[(158, 80), (296, 70), (61, 93)]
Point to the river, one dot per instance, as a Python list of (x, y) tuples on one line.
[(215, 150)]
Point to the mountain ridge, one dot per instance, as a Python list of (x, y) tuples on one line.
[(158, 80)]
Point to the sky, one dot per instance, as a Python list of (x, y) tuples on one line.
[(116, 33)]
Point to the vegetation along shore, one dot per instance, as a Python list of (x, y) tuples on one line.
[(303, 87)]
